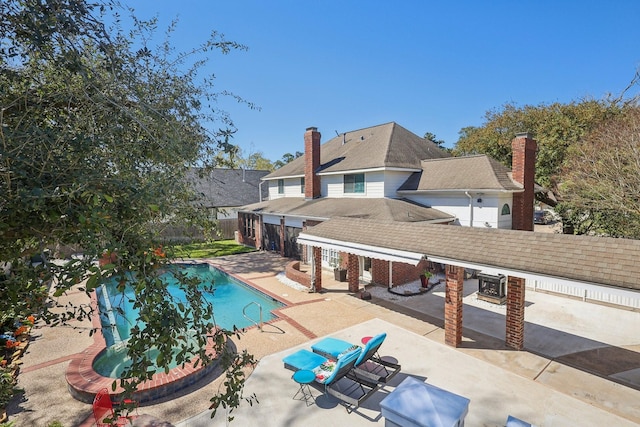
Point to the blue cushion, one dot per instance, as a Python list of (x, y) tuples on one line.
[(332, 346), (304, 359), (373, 342)]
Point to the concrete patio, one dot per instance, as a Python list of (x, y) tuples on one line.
[(580, 366)]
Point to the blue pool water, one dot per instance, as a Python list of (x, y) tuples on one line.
[(229, 298)]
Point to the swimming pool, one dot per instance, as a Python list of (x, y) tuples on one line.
[(231, 300)]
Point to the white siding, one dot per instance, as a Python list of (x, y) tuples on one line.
[(273, 190), (484, 214), (505, 221), (293, 222), (271, 219), (333, 187), (393, 180), (292, 188)]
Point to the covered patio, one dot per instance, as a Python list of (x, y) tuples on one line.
[(519, 255)]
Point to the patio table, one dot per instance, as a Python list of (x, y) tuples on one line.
[(415, 403)]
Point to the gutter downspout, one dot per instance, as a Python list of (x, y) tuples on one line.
[(260, 190), (470, 208)]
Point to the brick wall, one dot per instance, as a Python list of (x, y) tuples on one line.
[(523, 168), (312, 163), (317, 260), (515, 312), (353, 269), (292, 271), (453, 305), (402, 272)]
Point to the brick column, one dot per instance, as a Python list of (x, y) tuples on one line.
[(523, 168), (515, 313), (453, 305), (317, 260), (282, 239), (311, 163), (353, 273), (259, 226)]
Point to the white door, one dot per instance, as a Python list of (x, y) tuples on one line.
[(365, 268)]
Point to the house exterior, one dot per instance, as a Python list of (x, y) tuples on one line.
[(387, 173), (223, 191)]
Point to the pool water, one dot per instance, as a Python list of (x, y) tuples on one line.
[(229, 299)]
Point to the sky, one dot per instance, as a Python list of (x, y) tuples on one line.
[(430, 66)]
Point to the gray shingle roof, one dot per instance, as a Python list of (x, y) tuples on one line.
[(229, 187), (462, 173), (383, 146), (400, 210), (603, 260)]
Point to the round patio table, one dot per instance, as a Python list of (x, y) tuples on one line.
[(304, 378)]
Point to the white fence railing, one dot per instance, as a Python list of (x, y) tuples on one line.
[(600, 294)]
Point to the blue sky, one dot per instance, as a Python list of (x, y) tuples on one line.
[(429, 66)]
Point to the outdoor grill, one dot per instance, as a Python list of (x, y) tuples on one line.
[(492, 288)]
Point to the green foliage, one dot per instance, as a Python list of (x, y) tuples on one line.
[(8, 387), (98, 127), (433, 138), (209, 249), (286, 158), (601, 179), (556, 127)]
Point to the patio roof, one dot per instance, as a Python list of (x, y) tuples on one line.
[(541, 256)]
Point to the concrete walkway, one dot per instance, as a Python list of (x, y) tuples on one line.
[(580, 366)]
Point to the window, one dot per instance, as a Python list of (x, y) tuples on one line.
[(249, 226), (302, 185), (505, 210), (330, 257), (281, 186), (354, 183)]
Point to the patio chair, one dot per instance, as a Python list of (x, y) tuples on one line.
[(368, 365), (104, 414), (332, 375)]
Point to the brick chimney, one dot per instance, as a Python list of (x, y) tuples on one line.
[(523, 168), (312, 163)]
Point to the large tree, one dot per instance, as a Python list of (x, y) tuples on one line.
[(601, 178), (555, 127), (97, 129)]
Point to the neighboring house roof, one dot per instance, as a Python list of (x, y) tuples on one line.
[(400, 210), (229, 187), (602, 260), (383, 146), (478, 172)]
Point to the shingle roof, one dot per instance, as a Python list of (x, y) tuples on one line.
[(229, 187), (400, 210), (383, 146), (461, 173), (603, 260)]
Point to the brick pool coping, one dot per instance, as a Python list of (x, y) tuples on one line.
[(84, 382)]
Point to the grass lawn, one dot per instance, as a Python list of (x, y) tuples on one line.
[(210, 249)]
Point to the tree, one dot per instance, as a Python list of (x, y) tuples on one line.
[(256, 161), (286, 158), (97, 130), (432, 137), (555, 127), (601, 178)]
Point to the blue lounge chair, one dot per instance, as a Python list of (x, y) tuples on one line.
[(368, 365), (332, 375)]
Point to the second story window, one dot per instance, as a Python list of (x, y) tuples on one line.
[(302, 185), (354, 183), (281, 186)]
